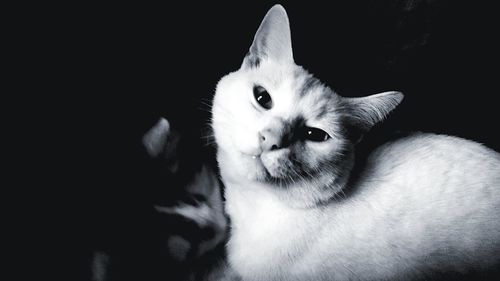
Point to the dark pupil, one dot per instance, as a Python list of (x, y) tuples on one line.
[(262, 97), (315, 134)]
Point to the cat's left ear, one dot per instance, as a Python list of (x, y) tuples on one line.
[(363, 113), (272, 40)]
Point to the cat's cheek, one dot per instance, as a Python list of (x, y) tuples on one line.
[(317, 154), (246, 141), (310, 159)]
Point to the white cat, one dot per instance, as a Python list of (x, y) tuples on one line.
[(423, 206)]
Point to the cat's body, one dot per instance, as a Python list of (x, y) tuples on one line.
[(421, 206)]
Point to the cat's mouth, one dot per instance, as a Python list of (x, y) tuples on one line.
[(256, 170), (271, 167)]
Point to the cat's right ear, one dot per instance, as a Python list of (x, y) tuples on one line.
[(272, 40), (365, 112)]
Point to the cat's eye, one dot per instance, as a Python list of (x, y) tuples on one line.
[(315, 134), (262, 97)]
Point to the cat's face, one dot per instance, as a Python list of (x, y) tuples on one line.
[(275, 123), (278, 123)]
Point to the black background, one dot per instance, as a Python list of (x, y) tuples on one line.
[(107, 72), (123, 66)]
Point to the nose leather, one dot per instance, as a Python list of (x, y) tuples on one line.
[(274, 136), (270, 140)]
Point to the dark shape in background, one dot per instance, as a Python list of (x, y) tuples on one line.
[(117, 68)]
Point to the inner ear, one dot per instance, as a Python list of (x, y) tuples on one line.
[(361, 114), (272, 40)]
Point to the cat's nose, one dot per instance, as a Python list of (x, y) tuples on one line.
[(270, 140)]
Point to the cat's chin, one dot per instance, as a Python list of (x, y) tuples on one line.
[(263, 168), (255, 170), (266, 168)]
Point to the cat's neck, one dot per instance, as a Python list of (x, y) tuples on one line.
[(255, 214), (264, 229)]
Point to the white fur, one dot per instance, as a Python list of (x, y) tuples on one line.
[(426, 203), (238, 122), (423, 204)]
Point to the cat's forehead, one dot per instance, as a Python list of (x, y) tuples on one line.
[(296, 91)]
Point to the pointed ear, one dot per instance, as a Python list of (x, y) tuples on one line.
[(363, 113), (156, 138), (272, 40)]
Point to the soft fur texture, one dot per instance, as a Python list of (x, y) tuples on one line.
[(423, 206)]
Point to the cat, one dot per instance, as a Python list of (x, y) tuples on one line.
[(185, 226), (201, 202), (421, 206)]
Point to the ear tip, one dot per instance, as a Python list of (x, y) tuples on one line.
[(398, 95), (163, 122), (278, 9), (395, 95), (154, 139)]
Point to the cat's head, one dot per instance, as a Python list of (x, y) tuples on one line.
[(278, 125)]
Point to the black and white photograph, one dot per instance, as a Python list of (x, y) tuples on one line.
[(273, 141)]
